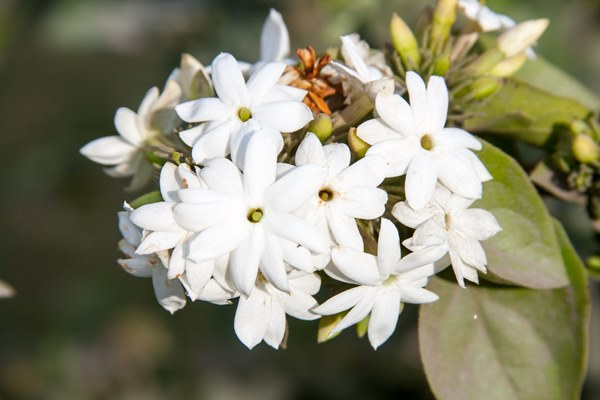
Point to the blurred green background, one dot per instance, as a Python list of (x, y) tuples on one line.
[(80, 327)]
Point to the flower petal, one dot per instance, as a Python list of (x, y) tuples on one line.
[(396, 112), (343, 301), (295, 229), (217, 240), (418, 99), (384, 317), (263, 80), (285, 116), (310, 151), (244, 261), (358, 266), (126, 122), (361, 202), (205, 109), (416, 295), (169, 293), (197, 276), (476, 223), (228, 81), (158, 241), (376, 130), (409, 217), (221, 175), (156, 217), (252, 318), (459, 177), (109, 150), (214, 142), (272, 265), (456, 138), (344, 229), (397, 155), (388, 247), (368, 171), (274, 38), (277, 324), (421, 177), (293, 189), (259, 167), (437, 104), (358, 312)]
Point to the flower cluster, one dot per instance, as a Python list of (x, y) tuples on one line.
[(262, 196)]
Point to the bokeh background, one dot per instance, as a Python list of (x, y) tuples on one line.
[(80, 327)]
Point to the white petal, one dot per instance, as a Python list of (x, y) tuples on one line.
[(298, 231), (205, 109), (418, 97), (459, 177), (297, 256), (272, 265), (156, 217), (109, 150), (388, 247), (252, 318), (228, 81), (198, 275), (344, 229), (361, 202), (384, 317), (214, 142), (217, 240), (397, 154), (343, 301), (421, 257), (157, 241), (274, 38), (285, 116), (416, 295), (169, 184), (130, 232), (141, 267), (469, 157), (263, 80), (469, 250), (409, 217), (437, 100), (396, 112), (301, 282), (355, 59), (284, 92), (477, 223), (293, 189), (368, 171), (421, 177), (259, 167), (310, 151), (245, 259), (215, 293), (375, 131), (455, 138), (277, 324), (190, 136), (358, 266), (177, 261), (222, 175), (358, 312), (169, 293), (126, 122), (338, 157), (299, 305), (148, 101)]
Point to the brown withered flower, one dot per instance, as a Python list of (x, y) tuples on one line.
[(306, 76)]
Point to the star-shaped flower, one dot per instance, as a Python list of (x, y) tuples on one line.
[(347, 192), (250, 215), (383, 288), (261, 100), (261, 316), (136, 130), (413, 140), (447, 225)]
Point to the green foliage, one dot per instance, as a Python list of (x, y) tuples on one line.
[(508, 343), (523, 111), (148, 198), (526, 252)]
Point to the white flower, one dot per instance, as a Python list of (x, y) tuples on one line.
[(488, 20), (347, 191), (369, 78), (249, 215), (447, 225), (192, 77), (261, 316), (169, 293), (260, 101), (413, 140), (383, 288), (126, 151)]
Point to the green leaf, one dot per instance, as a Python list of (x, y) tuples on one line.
[(148, 198), (326, 325), (506, 342), (525, 252), (544, 75), (520, 110)]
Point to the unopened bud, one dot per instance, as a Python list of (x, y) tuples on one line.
[(441, 65), (580, 127), (404, 42), (356, 144), (522, 36), (584, 149), (593, 263), (444, 16), (481, 88), (321, 126), (509, 66)]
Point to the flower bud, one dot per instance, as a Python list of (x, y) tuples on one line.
[(509, 66), (356, 144), (404, 42), (444, 16), (481, 88), (321, 126), (584, 149), (441, 64), (522, 36)]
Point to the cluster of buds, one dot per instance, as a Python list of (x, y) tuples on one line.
[(276, 174)]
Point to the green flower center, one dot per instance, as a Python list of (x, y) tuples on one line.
[(255, 215), (427, 142), (326, 194), (245, 114)]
